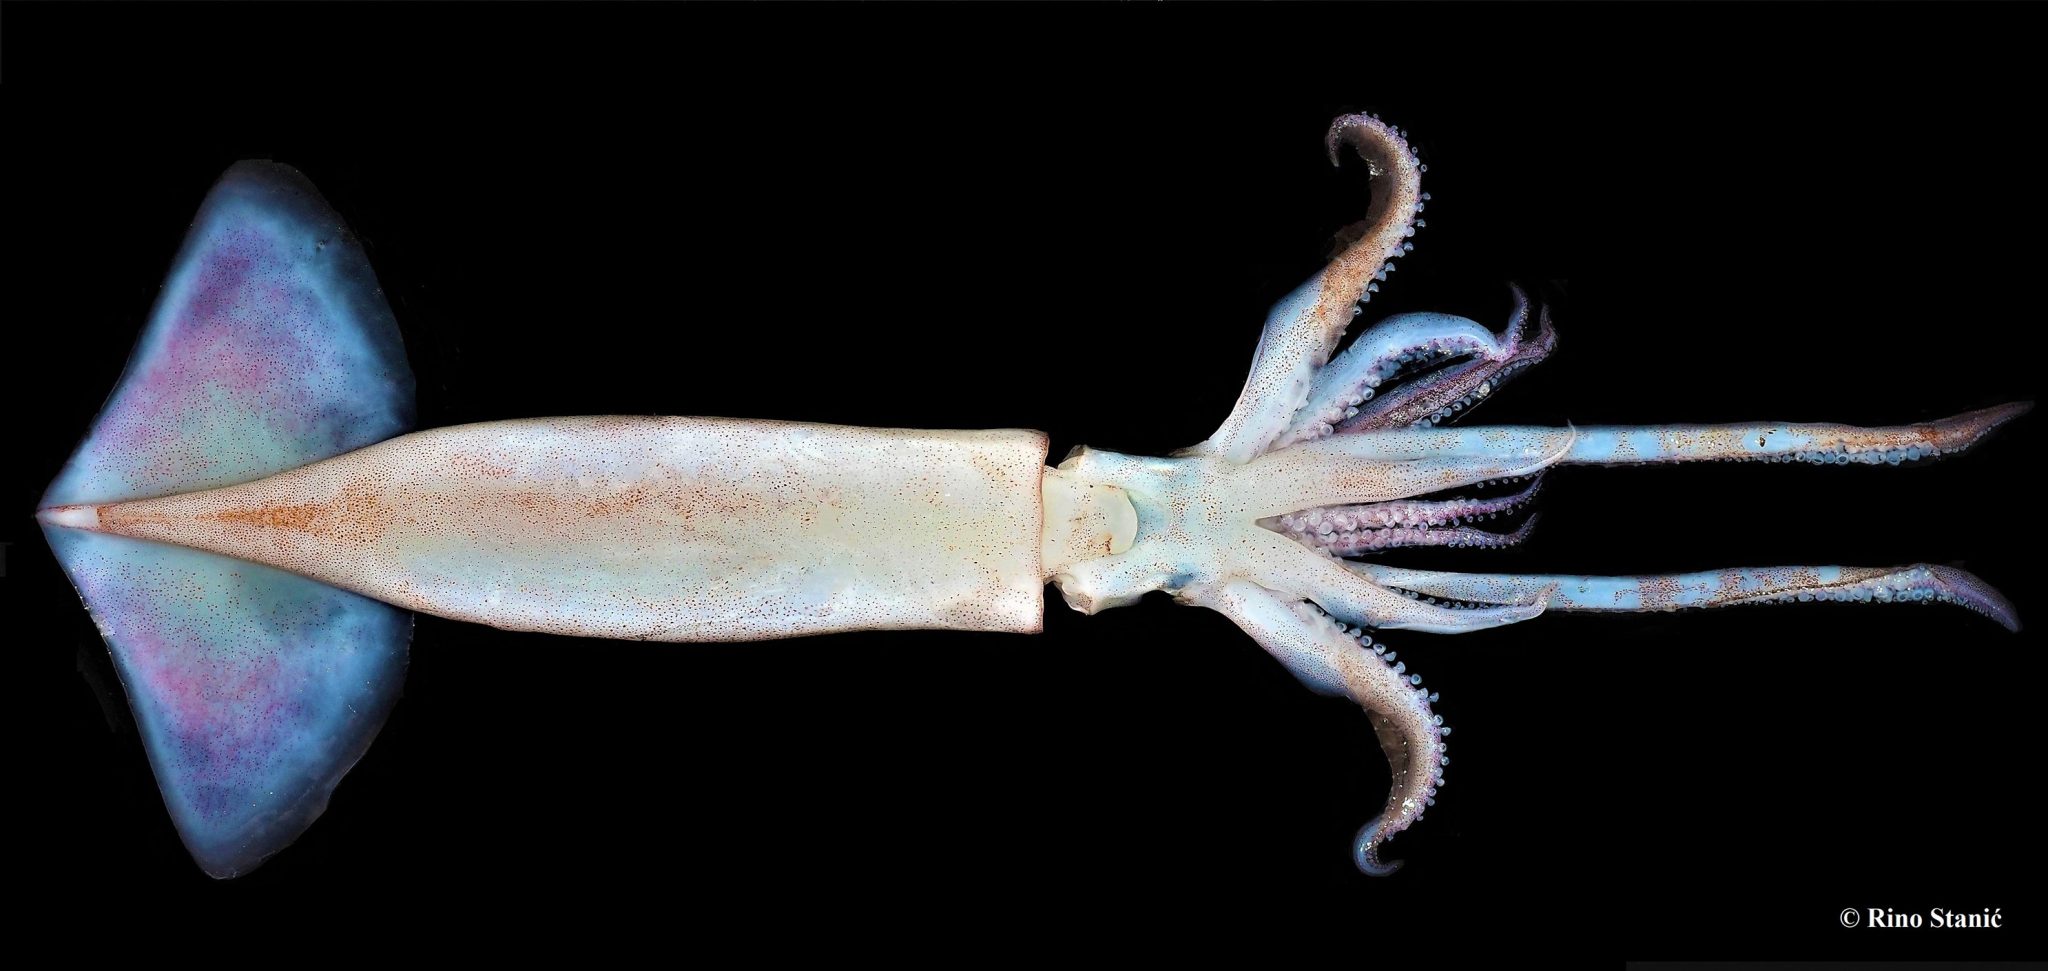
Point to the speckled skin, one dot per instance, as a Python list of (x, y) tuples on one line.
[(664, 529)]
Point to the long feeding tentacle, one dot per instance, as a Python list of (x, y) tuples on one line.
[(1712, 588), (1305, 326), (1334, 660), (1815, 443)]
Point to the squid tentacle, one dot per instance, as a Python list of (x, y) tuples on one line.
[(1813, 442), (1921, 582), (1335, 660), (1303, 328)]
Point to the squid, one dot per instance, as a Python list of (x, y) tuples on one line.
[(252, 522)]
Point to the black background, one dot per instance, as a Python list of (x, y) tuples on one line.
[(1073, 218)]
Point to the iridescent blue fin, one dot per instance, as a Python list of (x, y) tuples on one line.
[(270, 347), (255, 690)]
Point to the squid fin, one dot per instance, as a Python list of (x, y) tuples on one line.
[(255, 690)]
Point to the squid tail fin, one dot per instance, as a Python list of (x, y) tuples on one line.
[(254, 690)]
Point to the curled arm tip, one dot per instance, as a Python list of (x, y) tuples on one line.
[(1365, 851)]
